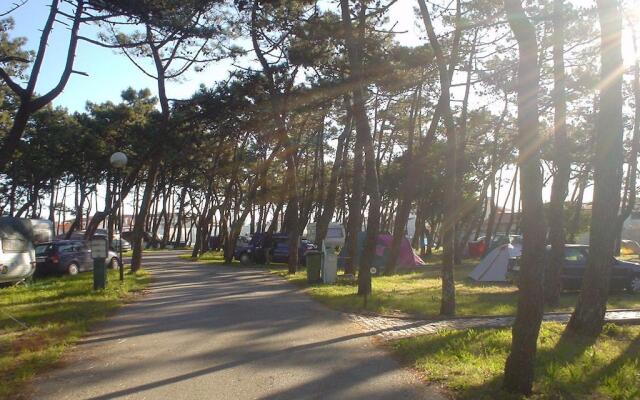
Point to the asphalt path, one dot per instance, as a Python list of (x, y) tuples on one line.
[(214, 332)]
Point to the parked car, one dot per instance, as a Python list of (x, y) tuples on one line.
[(148, 240), (624, 275), (99, 234), (254, 252), (68, 257), (116, 243), (17, 256)]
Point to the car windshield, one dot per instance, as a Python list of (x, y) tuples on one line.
[(43, 249)]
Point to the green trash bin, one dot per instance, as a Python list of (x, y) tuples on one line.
[(99, 273), (314, 264)]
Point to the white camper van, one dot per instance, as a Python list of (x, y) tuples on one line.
[(335, 233), (42, 230), (17, 255)]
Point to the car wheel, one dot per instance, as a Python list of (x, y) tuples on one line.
[(245, 259), (634, 285), (73, 269), (113, 264)]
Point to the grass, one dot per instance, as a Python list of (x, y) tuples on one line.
[(470, 363), (56, 311), (418, 293)]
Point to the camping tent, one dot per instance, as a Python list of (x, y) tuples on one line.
[(406, 258), (493, 267)]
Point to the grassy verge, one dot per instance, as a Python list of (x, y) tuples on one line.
[(55, 312), (418, 293), (470, 363)]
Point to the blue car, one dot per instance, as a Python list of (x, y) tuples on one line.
[(68, 257), (254, 252)]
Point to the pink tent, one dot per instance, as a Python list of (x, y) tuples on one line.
[(406, 258)]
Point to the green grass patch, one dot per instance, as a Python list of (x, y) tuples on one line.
[(57, 311), (470, 362), (418, 293)]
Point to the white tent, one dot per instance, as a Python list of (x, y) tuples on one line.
[(493, 267)]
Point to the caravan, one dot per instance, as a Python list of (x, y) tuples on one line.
[(17, 255)]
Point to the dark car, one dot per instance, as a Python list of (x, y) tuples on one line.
[(100, 234), (148, 239), (624, 275), (254, 251), (68, 257)]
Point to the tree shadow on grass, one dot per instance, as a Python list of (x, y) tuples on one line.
[(619, 376)]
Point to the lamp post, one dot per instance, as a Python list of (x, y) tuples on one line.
[(118, 161)]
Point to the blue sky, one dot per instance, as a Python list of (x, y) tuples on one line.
[(111, 72)]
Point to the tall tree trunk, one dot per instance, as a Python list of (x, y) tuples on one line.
[(450, 215), (519, 368), (354, 221), (179, 222), (560, 186), (329, 206), (52, 201), (363, 132), (404, 203), (632, 171), (588, 316), (156, 158), (513, 205), (582, 182), (139, 223)]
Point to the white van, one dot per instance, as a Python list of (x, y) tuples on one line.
[(335, 234), (17, 254), (41, 230)]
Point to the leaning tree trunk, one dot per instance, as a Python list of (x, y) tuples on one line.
[(519, 368), (138, 225), (588, 316), (560, 187)]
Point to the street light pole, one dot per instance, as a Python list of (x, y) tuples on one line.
[(121, 208), (119, 162)]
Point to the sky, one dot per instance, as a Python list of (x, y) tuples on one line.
[(111, 72)]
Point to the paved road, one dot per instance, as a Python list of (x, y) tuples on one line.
[(227, 333)]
